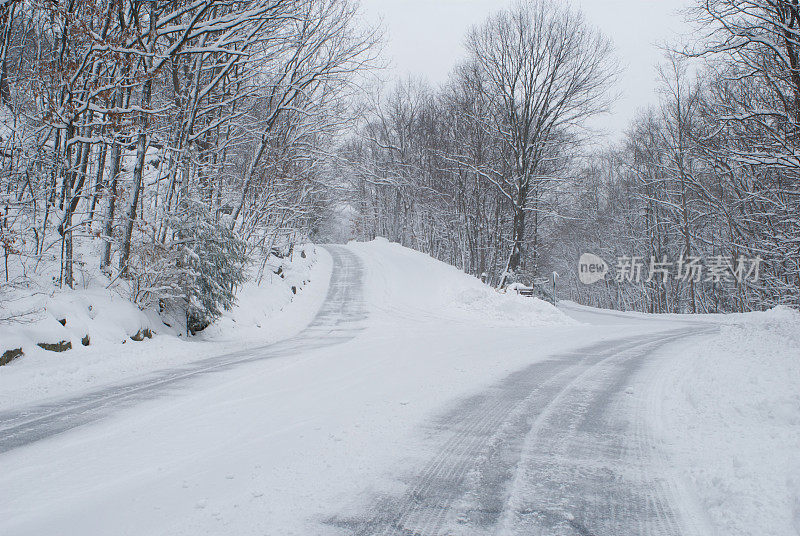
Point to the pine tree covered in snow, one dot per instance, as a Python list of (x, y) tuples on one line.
[(213, 261)]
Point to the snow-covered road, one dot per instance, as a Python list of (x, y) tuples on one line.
[(399, 410), (338, 320), (553, 449)]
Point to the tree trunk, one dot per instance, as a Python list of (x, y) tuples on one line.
[(98, 185), (517, 243), (142, 144), (125, 252), (111, 194)]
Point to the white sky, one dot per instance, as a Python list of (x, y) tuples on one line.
[(424, 38)]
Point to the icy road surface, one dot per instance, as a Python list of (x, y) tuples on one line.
[(397, 411)]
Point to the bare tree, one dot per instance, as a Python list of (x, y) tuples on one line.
[(545, 71)]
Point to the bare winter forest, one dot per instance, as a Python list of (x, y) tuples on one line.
[(400, 267), (168, 147)]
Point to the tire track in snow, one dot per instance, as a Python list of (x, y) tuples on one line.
[(588, 469), (339, 319), (526, 427), (579, 474)]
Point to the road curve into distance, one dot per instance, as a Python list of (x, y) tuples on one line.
[(338, 320)]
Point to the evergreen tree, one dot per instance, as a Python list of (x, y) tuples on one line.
[(214, 260)]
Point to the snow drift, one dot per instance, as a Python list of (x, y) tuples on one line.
[(401, 281), (730, 413)]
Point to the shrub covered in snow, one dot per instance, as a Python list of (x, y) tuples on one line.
[(212, 264)]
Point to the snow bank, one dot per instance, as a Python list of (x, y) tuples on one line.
[(100, 314), (263, 314), (731, 416), (503, 308), (259, 311), (401, 281)]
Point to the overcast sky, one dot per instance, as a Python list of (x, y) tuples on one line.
[(425, 37)]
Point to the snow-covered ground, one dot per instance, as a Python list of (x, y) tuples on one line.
[(274, 446), (728, 410), (263, 313), (285, 445), (406, 283)]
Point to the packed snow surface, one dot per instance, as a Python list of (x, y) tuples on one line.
[(275, 445), (263, 313), (290, 444)]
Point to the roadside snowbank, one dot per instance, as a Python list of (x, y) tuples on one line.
[(731, 416), (405, 282), (263, 314)]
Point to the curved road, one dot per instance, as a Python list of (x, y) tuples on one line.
[(338, 320), (557, 448), (554, 449)]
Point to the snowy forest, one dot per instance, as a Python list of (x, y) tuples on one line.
[(169, 148), (168, 144), (497, 173)]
